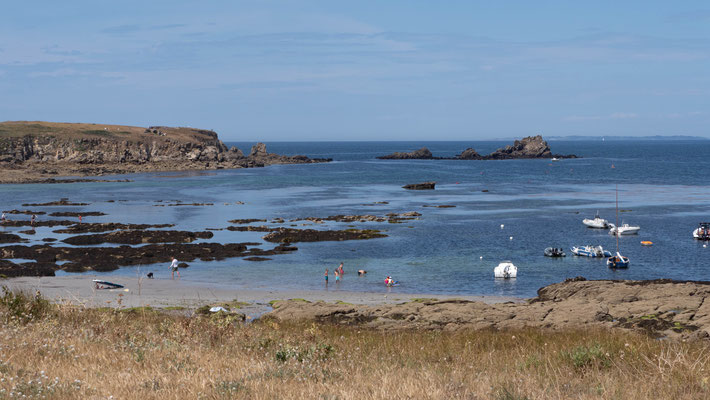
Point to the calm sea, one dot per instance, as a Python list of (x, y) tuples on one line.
[(662, 186)]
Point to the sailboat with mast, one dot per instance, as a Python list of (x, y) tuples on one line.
[(617, 260)]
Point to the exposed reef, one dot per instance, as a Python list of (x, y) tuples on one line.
[(529, 147), (289, 235), (420, 186), (138, 237)]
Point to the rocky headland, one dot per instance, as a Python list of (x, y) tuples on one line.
[(529, 147), (39, 152)]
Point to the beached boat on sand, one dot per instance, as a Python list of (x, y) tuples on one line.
[(590, 251), (505, 270)]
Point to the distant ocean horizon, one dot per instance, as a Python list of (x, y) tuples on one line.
[(662, 186)]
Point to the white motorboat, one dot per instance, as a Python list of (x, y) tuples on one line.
[(624, 229), (555, 159), (590, 251), (597, 222), (505, 270), (702, 232)]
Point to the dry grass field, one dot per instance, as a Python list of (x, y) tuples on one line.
[(68, 352)]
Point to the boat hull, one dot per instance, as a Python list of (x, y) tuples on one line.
[(624, 230), (587, 251), (701, 234), (505, 270), (618, 261), (596, 223)]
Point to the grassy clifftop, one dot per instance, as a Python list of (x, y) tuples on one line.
[(15, 129)]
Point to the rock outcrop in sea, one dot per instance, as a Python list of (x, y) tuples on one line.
[(35, 150), (421, 154), (529, 147)]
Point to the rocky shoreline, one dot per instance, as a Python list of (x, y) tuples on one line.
[(661, 308), (529, 147), (40, 152)]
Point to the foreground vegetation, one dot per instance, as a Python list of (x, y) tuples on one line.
[(67, 352)]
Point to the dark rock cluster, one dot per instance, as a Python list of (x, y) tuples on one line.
[(529, 147)]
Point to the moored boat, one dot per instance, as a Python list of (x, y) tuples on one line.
[(617, 261), (590, 251), (505, 270), (598, 222), (554, 252), (624, 229), (702, 232)]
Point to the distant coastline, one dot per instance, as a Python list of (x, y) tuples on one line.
[(656, 137)]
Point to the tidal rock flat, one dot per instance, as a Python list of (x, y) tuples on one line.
[(662, 308)]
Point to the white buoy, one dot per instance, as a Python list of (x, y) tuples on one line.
[(705, 245), (502, 226), (481, 257), (511, 238)]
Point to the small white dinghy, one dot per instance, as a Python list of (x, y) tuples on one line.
[(505, 270)]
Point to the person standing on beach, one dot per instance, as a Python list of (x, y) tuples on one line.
[(340, 269), (337, 276), (80, 218), (174, 268), (326, 277), (32, 220)]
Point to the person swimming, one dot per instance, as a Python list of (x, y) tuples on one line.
[(389, 281), (361, 272)]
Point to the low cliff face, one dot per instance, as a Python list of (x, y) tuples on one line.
[(99, 147), (93, 149)]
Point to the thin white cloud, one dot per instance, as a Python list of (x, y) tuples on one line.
[(623, 115), (615, 115)]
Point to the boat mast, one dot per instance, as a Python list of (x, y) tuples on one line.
[(617, 219)]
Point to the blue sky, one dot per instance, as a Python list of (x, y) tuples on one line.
[(362, 70)]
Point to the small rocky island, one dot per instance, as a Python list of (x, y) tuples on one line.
[(529, 147), (38, 152)]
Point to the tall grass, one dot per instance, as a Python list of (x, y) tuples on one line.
[(67, 352)]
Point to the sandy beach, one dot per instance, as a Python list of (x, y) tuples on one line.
[(167, 293)]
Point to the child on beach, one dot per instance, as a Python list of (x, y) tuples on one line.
[(174, 268), (326, 276), (337, 275)]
